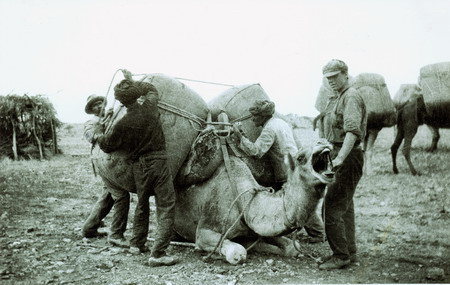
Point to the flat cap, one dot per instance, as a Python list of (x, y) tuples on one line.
[(334, 67)]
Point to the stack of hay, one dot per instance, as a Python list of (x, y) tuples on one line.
[(435, 83)]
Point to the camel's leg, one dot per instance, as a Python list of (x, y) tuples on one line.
[(207, 240), (368, 149), (277, 245), (435, 138), (410, 132), (394, 148)]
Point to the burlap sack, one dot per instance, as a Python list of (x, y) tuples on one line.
[(235, 102), (434, 80), (379, 105), (182, 114)]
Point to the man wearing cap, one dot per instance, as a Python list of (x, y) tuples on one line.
[(95, 106), (139, 133), (277, 140), (344, 125)]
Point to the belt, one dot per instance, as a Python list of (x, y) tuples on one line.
[(357, 145), (160, 154)]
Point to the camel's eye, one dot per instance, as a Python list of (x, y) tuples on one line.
[(301, 158)]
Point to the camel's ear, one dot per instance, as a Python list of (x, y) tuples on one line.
[(290, 162)]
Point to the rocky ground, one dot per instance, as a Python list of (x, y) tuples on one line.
[(402, 228)]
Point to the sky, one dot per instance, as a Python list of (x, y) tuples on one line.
[(68, 50)]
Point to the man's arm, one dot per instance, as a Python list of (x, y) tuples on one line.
[(260, 146), (111, 141), (347, 145)]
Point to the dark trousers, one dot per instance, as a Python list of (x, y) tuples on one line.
[(100, 210), (338, 204), (152, 177), (121, 208)]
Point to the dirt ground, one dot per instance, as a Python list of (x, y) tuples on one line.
[(402, 227)]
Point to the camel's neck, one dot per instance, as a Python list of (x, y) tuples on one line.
[(300, 202), (271, 214)]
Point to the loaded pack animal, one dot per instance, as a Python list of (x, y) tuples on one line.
[(411, 113), (222, 209), (230, 205)]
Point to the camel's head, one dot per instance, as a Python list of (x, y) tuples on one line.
[(315, 163)]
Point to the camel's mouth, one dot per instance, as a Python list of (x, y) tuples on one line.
[(321, 163)]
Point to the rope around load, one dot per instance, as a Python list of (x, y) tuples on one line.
[(165, 106), (191, 117), (193, 80)]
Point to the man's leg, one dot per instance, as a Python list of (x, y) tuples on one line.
[(101, 208), (120, 215), (339, 204), (349, 221), (165, 214), (144, 175)]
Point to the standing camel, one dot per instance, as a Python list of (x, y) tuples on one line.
[(412, 112)]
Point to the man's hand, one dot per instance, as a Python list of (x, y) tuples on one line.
[(237, 133), (337, 163), (128, 75), (99, 129)]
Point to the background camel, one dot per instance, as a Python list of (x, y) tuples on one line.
[(411, 113)]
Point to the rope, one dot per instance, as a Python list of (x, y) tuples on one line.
[(182, 113), (207, 82), (107, 93), (243, 118), (299, 249), (225, 233), (193, 80)]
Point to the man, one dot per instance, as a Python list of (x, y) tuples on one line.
[(277, 140), (96, 105), (344, 123), (139, 133)]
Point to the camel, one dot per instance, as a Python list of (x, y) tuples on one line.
[(411, 113), (232, 206)]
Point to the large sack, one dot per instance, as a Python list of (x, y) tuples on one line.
[(435, 83), (235, 102), (379, 105), (207, 155), (182, 114), (325, 92)]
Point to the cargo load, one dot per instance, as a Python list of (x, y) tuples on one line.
[(182, 113)]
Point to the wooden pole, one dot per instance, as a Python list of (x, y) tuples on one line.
[(14, 146)]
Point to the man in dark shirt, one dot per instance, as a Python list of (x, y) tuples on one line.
[(139, 133), (344, 125)]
